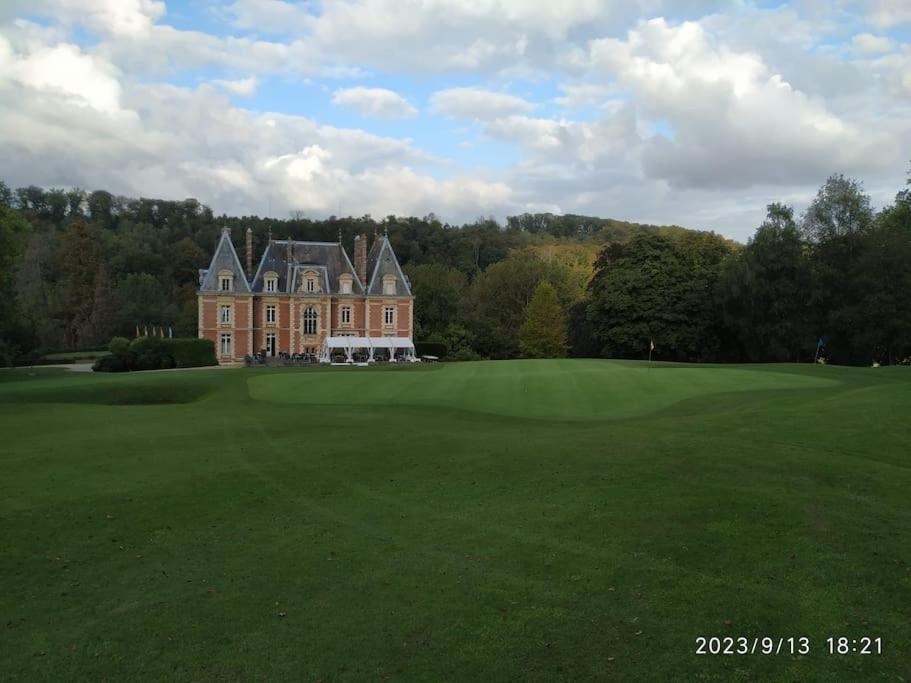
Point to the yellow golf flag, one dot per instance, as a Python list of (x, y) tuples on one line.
[(651, 345)]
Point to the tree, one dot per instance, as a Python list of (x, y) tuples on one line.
[(882, 280), (141, 300), (101, 208), (543, 334), (496, 304), (78, 259), (764, 291), (14, 233), (657, 288), (438, 291), (835, 225), (6, 195)]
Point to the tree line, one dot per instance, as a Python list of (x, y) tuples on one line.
[(77, 268)]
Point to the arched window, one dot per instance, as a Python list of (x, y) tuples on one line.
[(310, 317), (389, 284)]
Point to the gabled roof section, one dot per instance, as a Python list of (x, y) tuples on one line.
[(297, 277), (328, 258), (224, 259), (381, 261)]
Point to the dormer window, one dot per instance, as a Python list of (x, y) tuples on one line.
[(310, 282), (389, 284), (225, 281), (270, 282), (344, 283)]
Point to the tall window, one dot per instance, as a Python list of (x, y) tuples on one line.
[(226, 313), (271, 281), (270, 343), (310, 320), (311, 284), (270, 314), (226, 344), (389, 315), (346, 314)]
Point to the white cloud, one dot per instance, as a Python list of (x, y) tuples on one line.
[(375, 102), (243, 87), (867, 43), (477, 103), (888, 13), (276, 17), (164, 140), (700, 122), (128, 18), (64, 70), (578, 94), (733, 122)]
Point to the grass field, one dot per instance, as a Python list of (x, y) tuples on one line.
[(525, 520)]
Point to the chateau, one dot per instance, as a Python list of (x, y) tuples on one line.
[(301, 295)]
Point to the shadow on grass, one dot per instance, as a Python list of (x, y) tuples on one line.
[(159, 393)]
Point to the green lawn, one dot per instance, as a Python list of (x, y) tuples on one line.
[(525, 520)]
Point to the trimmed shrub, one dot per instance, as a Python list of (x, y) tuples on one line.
[(430, 349), (111, 364), (464, 354), (157, 353), (119, 346), (191, 352)]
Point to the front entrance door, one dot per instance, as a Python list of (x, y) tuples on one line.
[(270, 344)]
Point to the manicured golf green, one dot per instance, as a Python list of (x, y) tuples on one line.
[(521, 520)]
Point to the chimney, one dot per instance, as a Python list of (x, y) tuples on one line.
[(249, 253), (360, 258), (289, 250)]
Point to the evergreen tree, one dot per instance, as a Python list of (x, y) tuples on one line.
[(543, 334)]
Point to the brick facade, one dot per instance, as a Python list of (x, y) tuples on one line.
[(242, 319)]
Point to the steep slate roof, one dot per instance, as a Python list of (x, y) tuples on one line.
[(381, 261), (225, 258), (326, 258)]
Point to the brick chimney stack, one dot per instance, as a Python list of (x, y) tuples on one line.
[(360, 258), (289, 250), (249, 253)]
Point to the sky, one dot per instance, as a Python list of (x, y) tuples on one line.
[(685, 112)]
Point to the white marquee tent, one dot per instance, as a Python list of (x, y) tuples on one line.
[(350, 344)]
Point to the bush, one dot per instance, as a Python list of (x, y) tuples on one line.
[(157, 353), (430, 349), (465, 354), (111, 363), (119, 346), (192, 353)]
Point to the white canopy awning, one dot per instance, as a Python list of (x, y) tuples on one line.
[(349, 344)]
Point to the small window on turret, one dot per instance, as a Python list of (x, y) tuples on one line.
[(389, 284), (225, 281)]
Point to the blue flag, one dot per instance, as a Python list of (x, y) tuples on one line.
[(820, 343)]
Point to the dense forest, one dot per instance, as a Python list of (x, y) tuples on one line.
[(77, 268)]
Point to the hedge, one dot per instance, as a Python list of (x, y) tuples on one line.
[(430, 349), (191, 352), (156, 353)]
